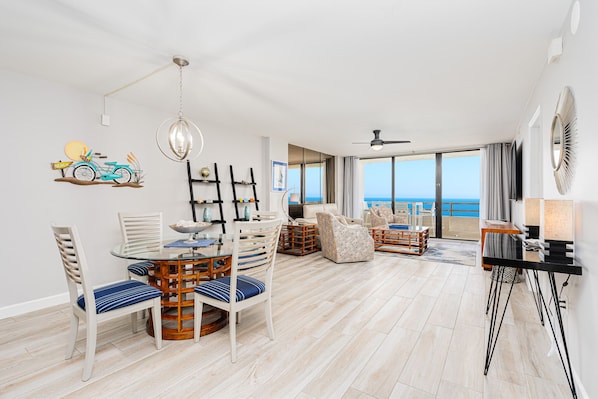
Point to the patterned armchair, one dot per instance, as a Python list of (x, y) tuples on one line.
[(382, 216), (343, 243)]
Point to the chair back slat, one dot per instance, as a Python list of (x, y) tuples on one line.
[(145, 227), (255, 244), (74, 263)]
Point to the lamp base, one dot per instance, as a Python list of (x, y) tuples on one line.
[(557, 251), (532, 231)]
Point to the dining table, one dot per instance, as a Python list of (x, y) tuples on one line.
[(179, 265)]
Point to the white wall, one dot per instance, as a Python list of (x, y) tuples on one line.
[(578, 69), (38, 118)]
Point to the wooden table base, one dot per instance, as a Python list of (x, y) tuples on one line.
[(176, 279)]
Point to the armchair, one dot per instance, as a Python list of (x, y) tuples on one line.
[(342, 242), (382, 215)]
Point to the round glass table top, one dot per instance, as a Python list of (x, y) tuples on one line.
[(209, 245)]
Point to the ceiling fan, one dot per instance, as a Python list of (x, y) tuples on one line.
[(377, 143)]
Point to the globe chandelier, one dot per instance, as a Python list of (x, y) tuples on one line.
[(179, 137)]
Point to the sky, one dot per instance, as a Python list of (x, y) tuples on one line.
[(415, 178)]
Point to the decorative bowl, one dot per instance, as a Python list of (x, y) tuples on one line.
[(190, 228)]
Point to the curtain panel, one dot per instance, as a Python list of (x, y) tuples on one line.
[(496, 182)]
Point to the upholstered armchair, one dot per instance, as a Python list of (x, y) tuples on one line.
[(343, 243), (382, 216)]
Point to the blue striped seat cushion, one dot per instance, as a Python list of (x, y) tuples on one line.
[(120, 295), (220, 288), (140, 268)]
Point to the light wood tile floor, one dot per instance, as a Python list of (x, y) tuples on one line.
[(389, 328)]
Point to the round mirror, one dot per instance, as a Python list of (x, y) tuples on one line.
[(563, 140), (556, 142)]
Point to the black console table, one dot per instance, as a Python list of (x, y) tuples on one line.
[(503, 251)]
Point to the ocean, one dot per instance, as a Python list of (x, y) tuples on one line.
[(466, 207)]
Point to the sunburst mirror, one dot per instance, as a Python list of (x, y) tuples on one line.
[(562, 140)]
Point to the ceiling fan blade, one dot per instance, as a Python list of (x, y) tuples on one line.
[(396, 141), (360, 142)]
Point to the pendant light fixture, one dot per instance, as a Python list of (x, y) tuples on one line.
[(177, 137)]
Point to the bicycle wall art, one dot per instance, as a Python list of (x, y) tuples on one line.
[(87, 167)]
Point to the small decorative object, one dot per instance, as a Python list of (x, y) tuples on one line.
[(189, 227), (204, 172), (246, 212), (251, 199), (207, 214)]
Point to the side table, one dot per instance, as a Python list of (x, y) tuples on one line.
[(298, 239)]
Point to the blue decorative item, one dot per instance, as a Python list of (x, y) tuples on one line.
[(207, 214), (246, 211)]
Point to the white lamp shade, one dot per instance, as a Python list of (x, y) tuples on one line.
[(294, 197), (558, 220), (532, 211)]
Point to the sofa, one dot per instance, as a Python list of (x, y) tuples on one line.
[(310, 211), (342, 243)]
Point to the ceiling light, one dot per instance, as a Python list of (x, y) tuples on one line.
[(376, 146), (177, 141)]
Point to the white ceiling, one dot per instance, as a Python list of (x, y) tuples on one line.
[(320, 73)]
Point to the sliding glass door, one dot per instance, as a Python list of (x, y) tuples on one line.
[(440, 191)]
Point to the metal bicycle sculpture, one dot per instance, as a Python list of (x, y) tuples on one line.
[(89, 170)]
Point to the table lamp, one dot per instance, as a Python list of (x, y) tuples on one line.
[(557, 231), (532, 218)]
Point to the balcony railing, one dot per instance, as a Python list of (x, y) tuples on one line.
[(460, 219)]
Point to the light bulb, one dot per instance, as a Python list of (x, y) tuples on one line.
[(180, 139)]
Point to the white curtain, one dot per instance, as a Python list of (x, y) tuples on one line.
[(496, 182), (352, 204)]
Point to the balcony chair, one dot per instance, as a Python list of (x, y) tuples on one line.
[(250, 282), (342, 242), (100, 304), (146, 227)]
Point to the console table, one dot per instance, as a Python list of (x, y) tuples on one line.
[(502, 251), (298, 239), (495, 226)]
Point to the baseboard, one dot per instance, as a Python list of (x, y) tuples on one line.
[(37, 304)]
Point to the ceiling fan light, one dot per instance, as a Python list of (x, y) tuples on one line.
[(376, 147)]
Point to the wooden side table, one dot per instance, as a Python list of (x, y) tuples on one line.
[(495, 226), (298, 239)]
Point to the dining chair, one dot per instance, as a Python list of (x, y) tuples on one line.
[(144, 227), (100, 304), (263, 215), (250, 281)]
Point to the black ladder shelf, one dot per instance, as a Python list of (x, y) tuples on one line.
[(238, 201), (204, 202)]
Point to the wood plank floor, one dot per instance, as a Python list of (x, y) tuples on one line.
[(389, 328)]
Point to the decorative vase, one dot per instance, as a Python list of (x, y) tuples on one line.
[(207, 214), (247, 213), (204, 172)]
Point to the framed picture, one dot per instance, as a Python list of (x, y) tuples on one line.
[(279, 176)]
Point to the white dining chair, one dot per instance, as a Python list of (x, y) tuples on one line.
[(100, 304), (144, 227), (264, 215), (250, 281)]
